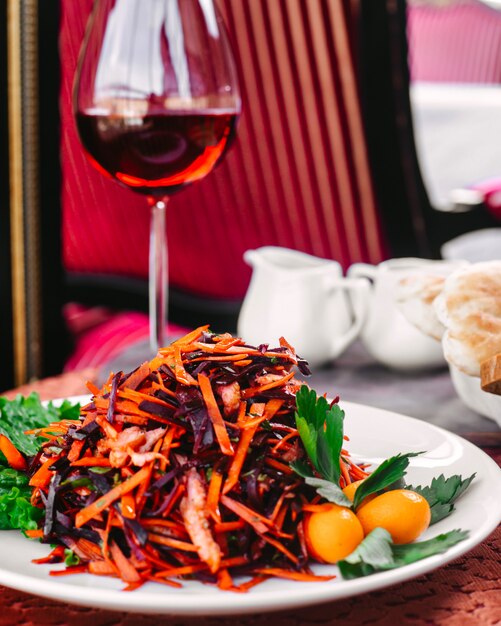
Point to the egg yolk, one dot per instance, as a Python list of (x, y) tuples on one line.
[(403, 513), (332, 534)]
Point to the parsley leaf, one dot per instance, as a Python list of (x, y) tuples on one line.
[(302, 468), (442, 493), (328, 490), (383, 476), (320, 427), (377, 553)]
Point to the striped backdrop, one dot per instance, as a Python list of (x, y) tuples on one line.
[(297, 175), (458, 43)]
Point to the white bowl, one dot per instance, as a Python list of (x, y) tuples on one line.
[(469, 390)]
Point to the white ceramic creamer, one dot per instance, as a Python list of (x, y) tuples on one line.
[(302, 298)]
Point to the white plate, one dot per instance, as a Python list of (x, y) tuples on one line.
[(374, 434)]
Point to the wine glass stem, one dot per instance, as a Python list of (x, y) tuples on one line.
[(158, 276)]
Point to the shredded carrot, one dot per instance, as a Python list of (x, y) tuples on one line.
[(143, 486), (138, 397), (164, 581), (92, 461), (180, 489), (75, 569), (192, 569), (257, 521), (239, 458), (172, 543), (161, 386), (271, 408), (212, 504), (215, 415), (255, 391), (89, 512), (14, 458), (229, 357), (101, 568), (92, 388), (357, 473), (41, 478), (255, 580), (224, 580), (317, 508), (75, 450), (159, 521), (279, 519), (137, 377), (181, 374), (34, 534), (344, 472), (167, 443), (281, 548), (128, 573), (226, 527), (278, 506), (281, 467), (285, 344), (182, 571), (55, 556), (284, 440), (242, 409), (292, 575), (128, 506), (191, 337)]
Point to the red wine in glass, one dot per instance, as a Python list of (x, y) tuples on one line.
[(160, 153), (156, 106)]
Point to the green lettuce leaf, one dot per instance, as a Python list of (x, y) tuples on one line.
[(27, 413), (16, 416), (16, 510)]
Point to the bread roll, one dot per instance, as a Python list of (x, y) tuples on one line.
[(469, 307), (415, 296)]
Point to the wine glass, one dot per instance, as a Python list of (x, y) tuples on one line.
[(156, 104)]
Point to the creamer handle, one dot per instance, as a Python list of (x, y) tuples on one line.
[(358, 290)]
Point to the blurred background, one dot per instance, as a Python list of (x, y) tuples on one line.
[(369, 130)]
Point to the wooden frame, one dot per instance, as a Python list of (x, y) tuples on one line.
[(31, 278)]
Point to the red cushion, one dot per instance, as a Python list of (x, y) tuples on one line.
[(96, 344)]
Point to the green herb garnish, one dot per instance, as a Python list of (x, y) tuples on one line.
[(386, 474), (320, 427), (442, 493), (328, 490), (378, 553)]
